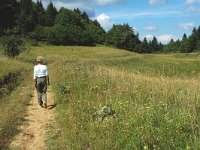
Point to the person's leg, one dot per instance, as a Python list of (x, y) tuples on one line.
[(44, 99), (44, 94), (39, 91), (40, 98)]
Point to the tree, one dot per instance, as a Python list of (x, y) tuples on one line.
[(8, 13), (26, 21), (66, 16), (184, 44), (172, 46), (96, 31), (198, 38), (85, 16), (77, 11), (144, 47), (122, 36), (39, 12), (69, 35), (154, 46), (50, 14)]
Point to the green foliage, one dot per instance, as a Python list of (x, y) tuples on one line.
[(26, 21), (14, 79), (39, 13), (40, 33), (153, 45), (58, 35), (71, 29), (144, 47), (12, 45), (122, 36), (96, 32), (66, 16), (50, 14), (69, 35), (172, 46), (8, 11)]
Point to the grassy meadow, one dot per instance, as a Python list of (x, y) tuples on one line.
[(156, 98)]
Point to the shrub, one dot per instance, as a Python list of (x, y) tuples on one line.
[(12, 45)]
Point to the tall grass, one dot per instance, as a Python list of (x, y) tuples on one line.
[(156, 99), (15, 92)]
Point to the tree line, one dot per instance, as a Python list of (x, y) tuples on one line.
[(63, 27), (25, 18)]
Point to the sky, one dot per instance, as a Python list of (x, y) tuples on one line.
[(164, 19)]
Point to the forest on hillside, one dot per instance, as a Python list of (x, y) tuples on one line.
[(30, 20)]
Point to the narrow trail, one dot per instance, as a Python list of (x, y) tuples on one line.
[(32, 132)]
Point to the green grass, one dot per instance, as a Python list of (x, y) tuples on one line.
[(9, 66), (155, 97), (15, 92)]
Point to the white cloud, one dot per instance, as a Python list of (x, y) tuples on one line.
[(157, 1), (109, 2), (191, 2), (186, 26), (164, 39), (145, 14), (193, 6), (149, 37), (72, 5), (135, 29), (150, 28), (104, 21)]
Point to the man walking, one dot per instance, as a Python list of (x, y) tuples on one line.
[(41, 81)]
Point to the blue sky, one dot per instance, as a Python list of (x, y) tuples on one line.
[(164, 19)]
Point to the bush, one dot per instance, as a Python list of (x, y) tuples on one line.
[(12, 45)]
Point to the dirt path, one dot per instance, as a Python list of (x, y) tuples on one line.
[(32, 132)]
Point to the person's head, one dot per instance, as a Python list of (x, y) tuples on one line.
[(39, 59)]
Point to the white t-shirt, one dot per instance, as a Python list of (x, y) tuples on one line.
[(40, 71)]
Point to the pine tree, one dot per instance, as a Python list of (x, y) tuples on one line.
[(26, 21), (85, 16), (8, 12), (50, 14), (198, 38), (184, 44), (144, 46), (192, 41), (40, 13), (77, 11), (154, 47)]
